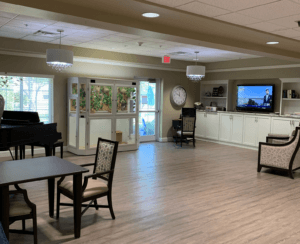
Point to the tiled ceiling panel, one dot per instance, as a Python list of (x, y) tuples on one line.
[(171, 3), (278, 17), (203, 9), (273, 10), (25, 28), (238, 19), (235, 5), (265, 26)]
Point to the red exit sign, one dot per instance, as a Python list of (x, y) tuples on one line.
[(166, 60)]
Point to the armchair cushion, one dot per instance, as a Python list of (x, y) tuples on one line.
[(94, 187), (185, 133), (278, 135), (18, 206)]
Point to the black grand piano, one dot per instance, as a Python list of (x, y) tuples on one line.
[(20, 128)]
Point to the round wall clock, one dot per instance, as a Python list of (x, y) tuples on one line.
[(178, 95)]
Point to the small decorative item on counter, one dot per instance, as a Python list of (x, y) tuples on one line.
[(221, 91), (198, 105), (215, 92), (207, 94)]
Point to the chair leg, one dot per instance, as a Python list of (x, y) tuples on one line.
[(95, 202), (259, 168), (194, 141), (32, 150), (57, 203), (110, 205), (53, 151), (34, 227), (23, 225), (291, 174), (23, 151)]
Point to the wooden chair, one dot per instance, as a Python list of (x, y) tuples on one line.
[(92, 189), (20, 208), (187, 130), (282, 154)]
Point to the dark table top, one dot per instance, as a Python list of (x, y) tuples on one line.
[(33, 169)]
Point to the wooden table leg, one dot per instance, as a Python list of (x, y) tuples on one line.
[(77, 190), (51, 186), (4, 207)]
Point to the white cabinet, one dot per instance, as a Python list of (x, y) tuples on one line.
[(231, 128), (212, 126), (200, 124), (225, 127), (256, 129), (207, 125), (284, 125)]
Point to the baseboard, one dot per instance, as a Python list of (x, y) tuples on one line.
[(37, 150), (227, 143), (165, 139)]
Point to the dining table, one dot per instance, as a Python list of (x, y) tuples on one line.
[(36, 169)]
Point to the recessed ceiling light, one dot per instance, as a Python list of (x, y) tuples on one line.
[(272, 43), (150, 15)]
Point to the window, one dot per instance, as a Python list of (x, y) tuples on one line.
[(29, 94)]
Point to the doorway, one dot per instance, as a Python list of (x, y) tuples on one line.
[(149, 110)]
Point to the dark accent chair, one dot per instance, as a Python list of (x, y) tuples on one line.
[(187, 130), (92, 188), (3, 239), (21, 208), (282, 154)]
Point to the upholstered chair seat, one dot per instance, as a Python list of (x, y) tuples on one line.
[(94, 187)]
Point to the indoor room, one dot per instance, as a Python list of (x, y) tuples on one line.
[(149, 121)]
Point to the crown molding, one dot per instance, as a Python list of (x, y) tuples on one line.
[(144, 65)]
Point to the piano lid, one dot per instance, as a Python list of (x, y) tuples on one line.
[(32, 117)]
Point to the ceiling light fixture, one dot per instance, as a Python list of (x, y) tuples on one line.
[(59, 59), (195, 72), (150, 15), (272, 43)]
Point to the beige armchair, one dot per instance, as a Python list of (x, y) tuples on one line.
[(282, 154)]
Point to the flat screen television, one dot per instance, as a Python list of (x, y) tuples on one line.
[(255, 98)]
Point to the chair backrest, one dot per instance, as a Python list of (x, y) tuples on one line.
[(188, 124), (106, 157)]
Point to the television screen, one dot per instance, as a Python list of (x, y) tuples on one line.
[(255, 97)]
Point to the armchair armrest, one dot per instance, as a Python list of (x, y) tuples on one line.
[(84, 165), (25, 195), (86, 178)]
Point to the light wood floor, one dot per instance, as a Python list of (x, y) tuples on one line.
[(161, 194)]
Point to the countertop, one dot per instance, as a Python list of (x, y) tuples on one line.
[(256, 114)]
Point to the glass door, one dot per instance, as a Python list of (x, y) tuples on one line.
[(148, 111)]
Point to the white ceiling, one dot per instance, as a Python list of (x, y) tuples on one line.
[(273, 16), (23, 27)]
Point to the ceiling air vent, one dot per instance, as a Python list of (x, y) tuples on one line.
[(45, 34)]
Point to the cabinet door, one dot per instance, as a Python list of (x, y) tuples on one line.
[(237, 129), (212, 126), (294, 124), (281, 126), (264, 128), (200, 124), (250, 130), (225, 127)]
